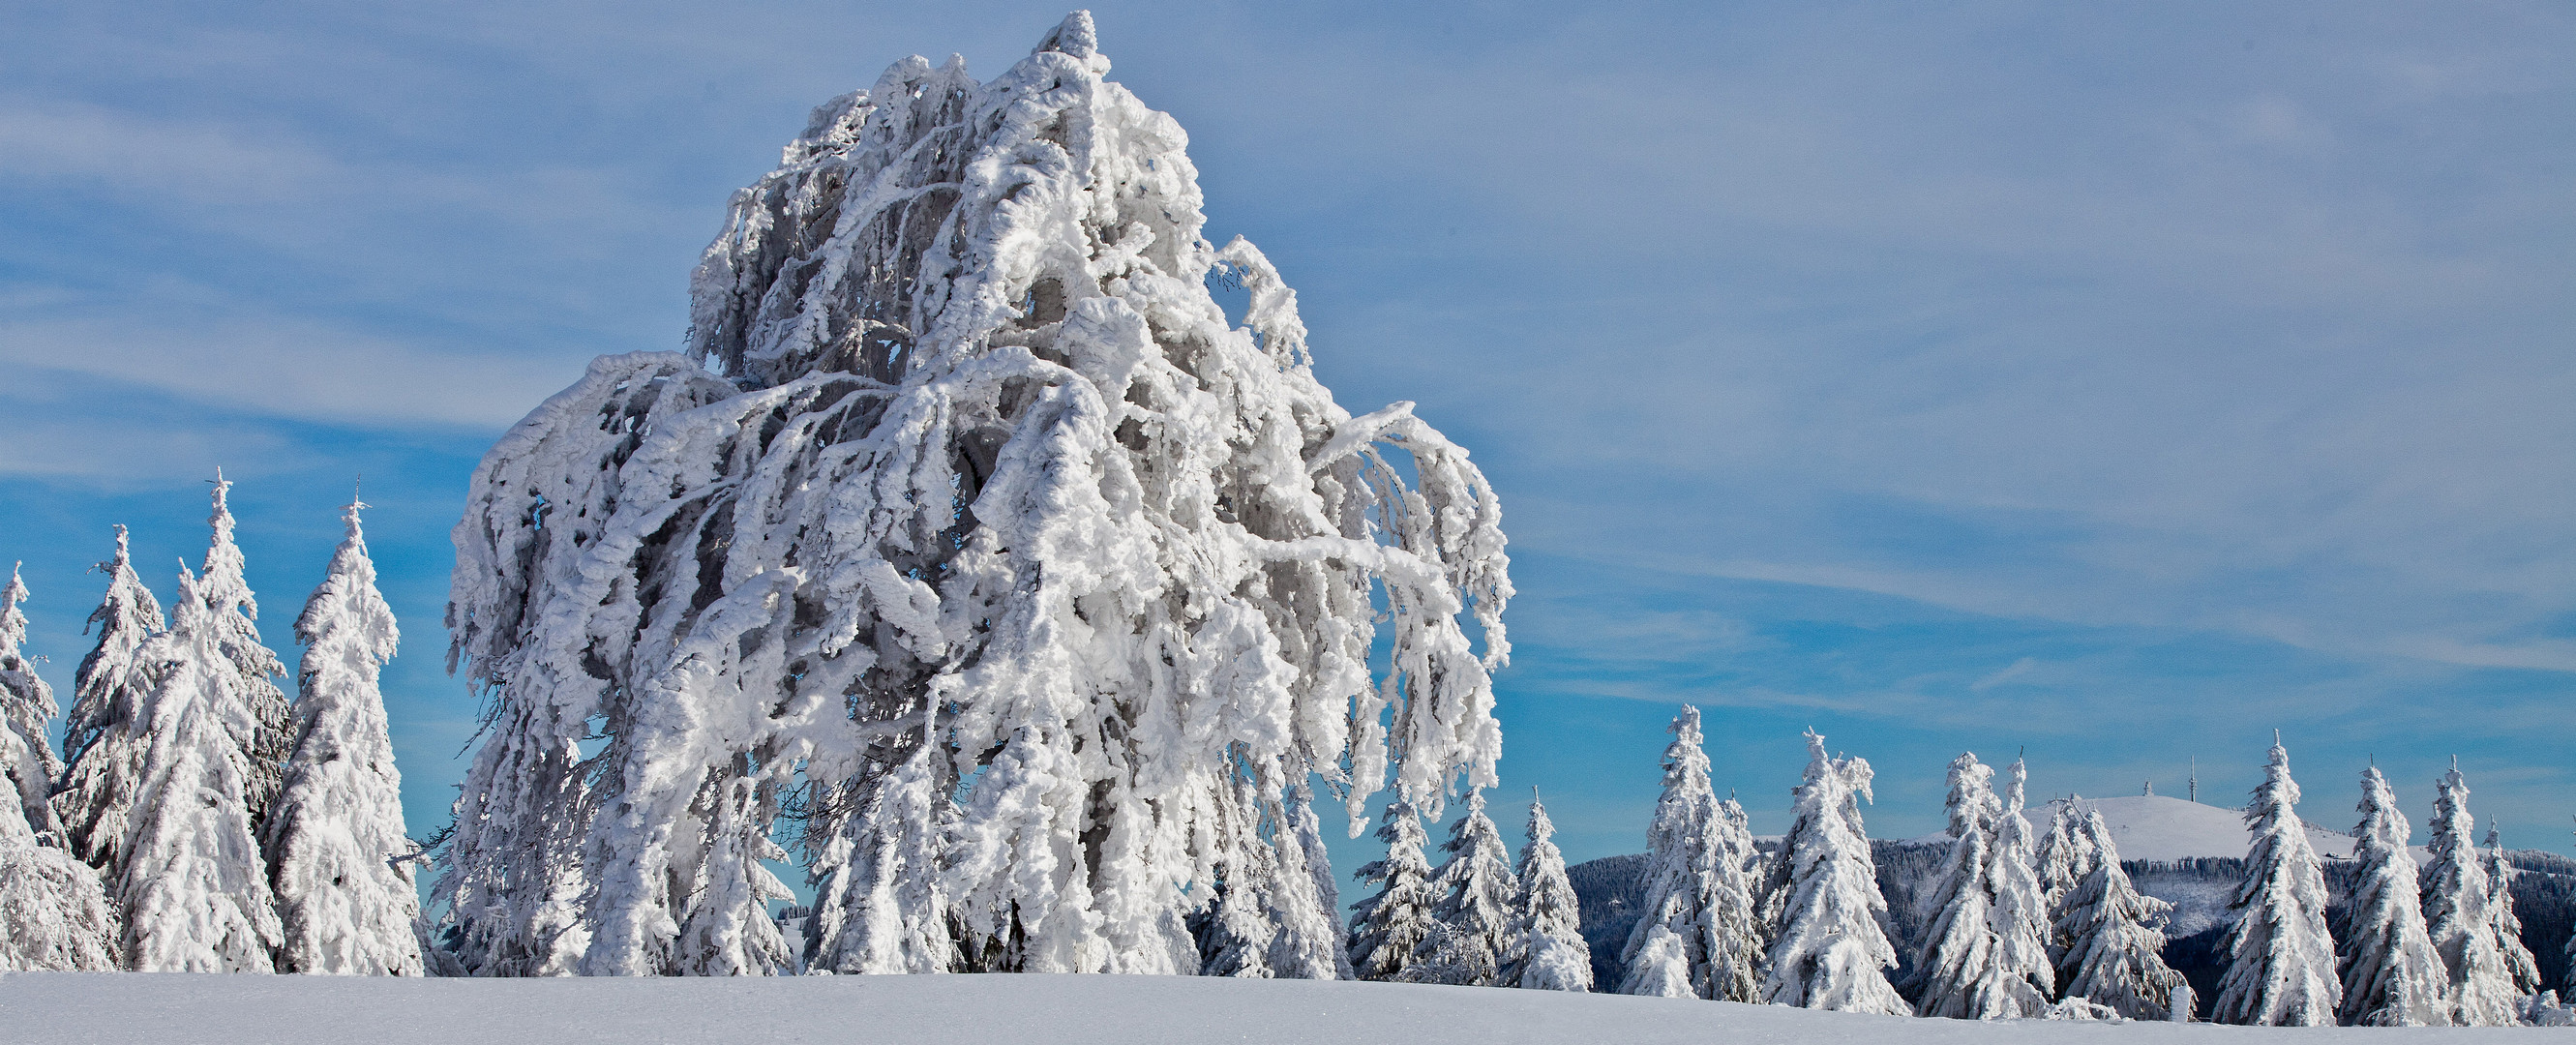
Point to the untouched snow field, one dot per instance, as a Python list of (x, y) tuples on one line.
[(48, 1008)]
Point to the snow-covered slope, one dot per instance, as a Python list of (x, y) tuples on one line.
[(2157, 827), (49, 1008)]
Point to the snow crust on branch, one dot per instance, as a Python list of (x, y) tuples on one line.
[(959, 424), (2281, 962), (338, 850)]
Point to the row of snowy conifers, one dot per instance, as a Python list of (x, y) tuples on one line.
[(201, 823), (2443, 951)]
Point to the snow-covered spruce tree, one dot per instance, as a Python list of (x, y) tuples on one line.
[(1386, 928), (1477, 896), (2115, 937), (1696, 888), (2518, 958), (1548, 952), (337, 848), (2456, 902), (53, 915), (1235, 931), (2020, 913), (1304, 905), (2063, 860), (880, 904), (106, 736), (232, 623), (1962, 972), (2392, 977), (1827, 949), (190, 882), (28, 768), (959, 422), (2280, 961)]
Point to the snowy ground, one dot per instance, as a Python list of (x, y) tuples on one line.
[(47, 1008)]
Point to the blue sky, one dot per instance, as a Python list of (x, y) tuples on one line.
[(2118, 381)]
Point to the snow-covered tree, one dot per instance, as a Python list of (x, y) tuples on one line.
[(880, 904), (1236, 931), (2281, 962), (53, 915), (1304, 905), (2458, 915), (28, 768), (2392, 977), (2020, 913), (1387, 928), (1827, 949), (106, 736), (1697, 891), (1548, 952), (2518, 958), (232, 623), (2114, 954), (959, 422), (337, 847), (1477, 897), (1964, 971), (2064, 860), (190, 882)]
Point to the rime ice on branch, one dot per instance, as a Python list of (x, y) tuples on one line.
[(961, 424)]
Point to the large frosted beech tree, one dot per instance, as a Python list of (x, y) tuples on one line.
[(959, 423)]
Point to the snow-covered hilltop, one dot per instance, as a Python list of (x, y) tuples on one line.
[(2163, 828), (965, 486)]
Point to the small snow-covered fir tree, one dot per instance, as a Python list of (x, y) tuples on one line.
[(1548, 952), (2280, 960), (2518, 958), (959, 422), (106, 736), (1304, 904), (880, 904), (2114, 955), (28, 768), (2064, 860), (190, 884), (1964, 972), (338, 852), (1477, 897), (2020, 913), (1697, 891), (1387, 928), (233, 626), (2457, 912), (2392, 976), (1827, 949), (1236, 931), (53, 915)]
